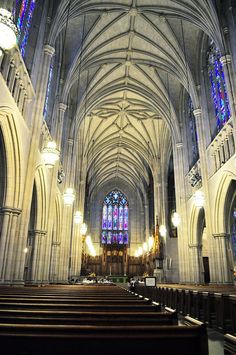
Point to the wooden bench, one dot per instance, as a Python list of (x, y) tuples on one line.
[(229, 344), (88, 318), (20, 339)]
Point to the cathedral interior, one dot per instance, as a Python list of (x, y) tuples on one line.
[(117, 141), (117, 166)]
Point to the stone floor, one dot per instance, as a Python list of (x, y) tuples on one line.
[(215, 342)]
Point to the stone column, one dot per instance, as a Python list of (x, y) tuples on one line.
[(59, 123), (217, 274), (7, 240), (222, 258), (35, 123), (53, 273), (41, 89), (38, 255), (230, 88), (180, 191), (146, 212), (196, 264), (10, 250)]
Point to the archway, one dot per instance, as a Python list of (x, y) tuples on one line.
[(28, 271), (203, 242), (2, 170), (230, 222)]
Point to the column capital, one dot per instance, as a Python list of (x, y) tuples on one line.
[(196, 246), (221, 235), (37, 232), (49, 50), (13, 210), (225, 59), (62, 107), (197, 113)]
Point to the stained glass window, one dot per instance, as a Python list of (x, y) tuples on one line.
[(218, 88), (24, 21), (115, 219)]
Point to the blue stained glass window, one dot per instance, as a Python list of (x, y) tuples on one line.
[(24, 21), (218, 87), (115, 219)]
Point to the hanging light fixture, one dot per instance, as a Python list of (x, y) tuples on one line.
[(8, 31), (162, 230), (175, 219), (199, 199), (69, 197), (78, 218), (50, 154)]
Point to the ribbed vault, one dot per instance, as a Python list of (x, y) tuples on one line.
[(129, 63)]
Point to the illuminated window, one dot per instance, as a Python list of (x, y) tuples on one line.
[(115, 219), (24, 21), (218, 89)]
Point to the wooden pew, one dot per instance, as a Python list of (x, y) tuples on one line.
[(47, 339), (88, 318), (229, 344)]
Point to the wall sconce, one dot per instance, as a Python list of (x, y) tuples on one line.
[(69, 197), (50, 154), (162, 230), (8, 31), (175, 219), (199, 199), (78, 218)]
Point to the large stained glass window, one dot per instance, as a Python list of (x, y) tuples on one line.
[(218, 88), (24, 10), (115, 219)]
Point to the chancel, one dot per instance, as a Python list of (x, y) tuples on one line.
[(117, 163)]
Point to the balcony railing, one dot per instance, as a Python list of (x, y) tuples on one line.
[(221, 148), (194, 178), (17, 78)]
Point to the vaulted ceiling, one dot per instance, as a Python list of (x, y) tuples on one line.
[(126, 64)]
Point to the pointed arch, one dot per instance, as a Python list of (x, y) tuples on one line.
[(219, 223), (13, 159)]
